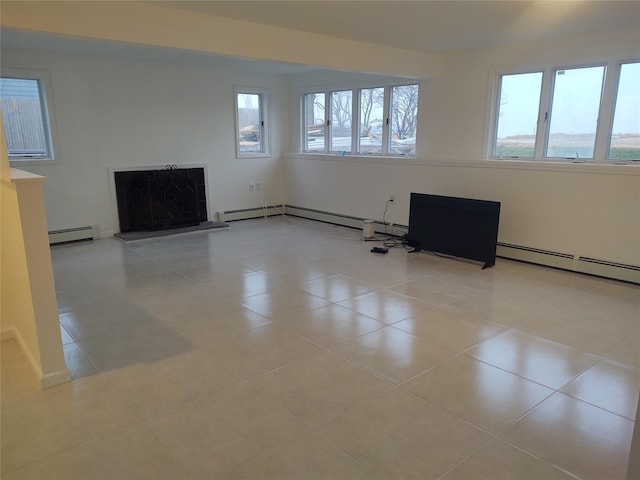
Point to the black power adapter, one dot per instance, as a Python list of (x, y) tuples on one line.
[(379, 250)]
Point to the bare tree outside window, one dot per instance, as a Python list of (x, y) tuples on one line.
[(384, 121), (404, 118), (341, 119), (314, 122)]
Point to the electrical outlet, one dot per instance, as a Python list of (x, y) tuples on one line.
[(257, 186), (392, 198), (252, 187)]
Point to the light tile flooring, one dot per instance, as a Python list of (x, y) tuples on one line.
[(285, 349)]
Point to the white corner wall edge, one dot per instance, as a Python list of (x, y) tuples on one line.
[(46, 381), (29, 204)]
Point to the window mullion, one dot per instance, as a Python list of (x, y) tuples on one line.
[(605, 118), (45, 117), (544, 115), (328, 115), (355, 119), (386, 120)]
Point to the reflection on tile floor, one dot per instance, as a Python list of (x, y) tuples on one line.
[(284, 349)]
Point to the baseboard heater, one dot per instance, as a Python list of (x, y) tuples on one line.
[(564, 261), (574, 263), (72, 235), (249, 213), (345, 220)]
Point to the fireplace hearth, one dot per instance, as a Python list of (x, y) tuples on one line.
[(162, 199)]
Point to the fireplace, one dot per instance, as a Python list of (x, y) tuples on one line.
[(160, 199)]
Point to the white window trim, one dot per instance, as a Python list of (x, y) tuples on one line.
[(546, 113), (611, 95), (46, 97), (329, 121), (303, 117), (264, 117), (605, 119), (388, 100), (355, 133)]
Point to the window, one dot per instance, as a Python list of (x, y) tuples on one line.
[(369, 121), (404, 118), (251, 124), (575, 105), (565, 114), (625, 133), (341, 109), (314, 122), (25, 116), (518, 115)]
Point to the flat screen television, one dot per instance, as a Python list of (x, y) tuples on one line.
[(460, 227)]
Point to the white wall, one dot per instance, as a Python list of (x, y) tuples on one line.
[(113, 113), (118, 113), (586, 210)]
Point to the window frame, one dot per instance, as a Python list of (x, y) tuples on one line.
[(45, 92), (496, 112), (549, 112), (329, 112), (604, 124), (263, 104), (355, 120), (385, 125), (389, 121), (615, 75), (304, 127)]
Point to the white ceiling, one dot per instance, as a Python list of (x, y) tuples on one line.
[(434, 26), (58, 43)]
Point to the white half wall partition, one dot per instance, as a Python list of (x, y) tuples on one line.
[(29, 309)]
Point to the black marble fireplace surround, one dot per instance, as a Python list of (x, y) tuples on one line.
[(160, 199)]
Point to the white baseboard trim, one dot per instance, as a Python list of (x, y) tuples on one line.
[(55, 378), (46, 380), (7, 333)]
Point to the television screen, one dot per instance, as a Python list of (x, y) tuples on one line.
[(460, 227)]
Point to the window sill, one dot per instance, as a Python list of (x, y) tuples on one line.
[(567, 165), (509, 164), (32, 162), (254, 155), (339, 157)]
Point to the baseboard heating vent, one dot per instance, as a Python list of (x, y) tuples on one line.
[(575, 263), (248, 213), (72, 235), (603, 268), (345, 220), (535, 255)]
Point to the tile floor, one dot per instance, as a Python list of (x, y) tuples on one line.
[(284, 349)]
